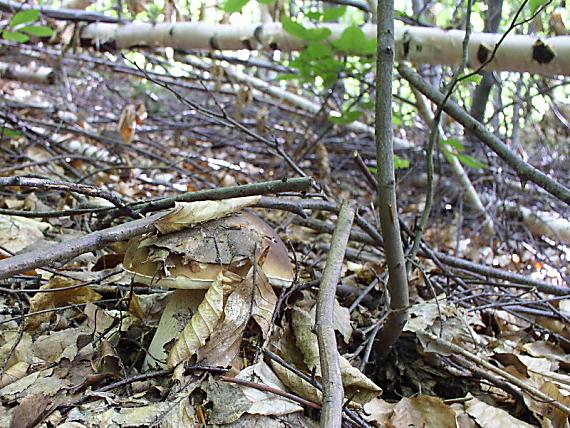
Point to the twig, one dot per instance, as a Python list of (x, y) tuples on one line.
[(275, 391), (505, 375), (333, 392), (75, 247), (525, 171), (69, 187)]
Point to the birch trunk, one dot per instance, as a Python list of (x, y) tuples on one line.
[(548, 56)]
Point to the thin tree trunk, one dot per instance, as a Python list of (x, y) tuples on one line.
[(482, 91), (387, 205)]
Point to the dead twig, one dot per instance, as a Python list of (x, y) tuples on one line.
[(537, 394), (333, 391)]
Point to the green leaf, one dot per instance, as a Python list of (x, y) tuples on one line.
[(334, 13), (351, 39), (455, 143), (373, 169), (535, 5), (287, 76), (317, 34), (317, 51), (309, 34), (232, 6), (315, 16), (293, 27), (37, 30), (396, 119), (400, 163), (472, 162), (475, 78), (9, 133), (24, 16), (15, 36), (346, 118), (265, 1)]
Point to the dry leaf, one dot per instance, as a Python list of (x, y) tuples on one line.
[(423, 411), (188, 214), (205, 320), (492, 417), (29, 411), (56, 299)]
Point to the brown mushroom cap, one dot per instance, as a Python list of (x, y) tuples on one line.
[(192, 258)]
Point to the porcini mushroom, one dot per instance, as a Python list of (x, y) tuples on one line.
[(188, 262)]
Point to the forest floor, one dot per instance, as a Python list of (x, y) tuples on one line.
[(488, 333)]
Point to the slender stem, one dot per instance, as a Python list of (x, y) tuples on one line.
[(333, 392), (387, 204)]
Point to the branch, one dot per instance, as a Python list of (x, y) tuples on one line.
[(75, 247), (525, 171), (333, 392), (56, 13), (387, 204)]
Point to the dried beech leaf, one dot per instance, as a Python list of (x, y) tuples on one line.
[(205, 320), (423, 411), (226, 339), (57, 299), (12, 374), (264, 402), (297, 385), (188, 214), (127, 122), (28, 413), (490, 417), (264, 302), (357, 385)]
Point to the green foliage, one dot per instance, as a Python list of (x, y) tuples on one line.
[(232, 6), (353, 41), (300, 31), (399, 163), (37, 30), (453, 147), (346, 117), (23, 17), (319, 59), (332, 14), (8, 133), (534, 5), (18, 29)]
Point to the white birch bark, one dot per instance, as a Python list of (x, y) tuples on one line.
[(548, 56)]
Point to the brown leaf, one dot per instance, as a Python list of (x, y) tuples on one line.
[(29, 411)]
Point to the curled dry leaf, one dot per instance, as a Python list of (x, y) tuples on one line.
[(224, 343), (22, 352), (205, 320), (189, 214), (264, 301), (263, 402), (13, 373)]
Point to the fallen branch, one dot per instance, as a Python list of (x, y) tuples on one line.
[(333, 391), (525, 171)]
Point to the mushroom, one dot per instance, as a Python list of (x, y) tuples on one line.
[(188, 262)]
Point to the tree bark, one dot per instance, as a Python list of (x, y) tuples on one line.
[(387, 204)]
